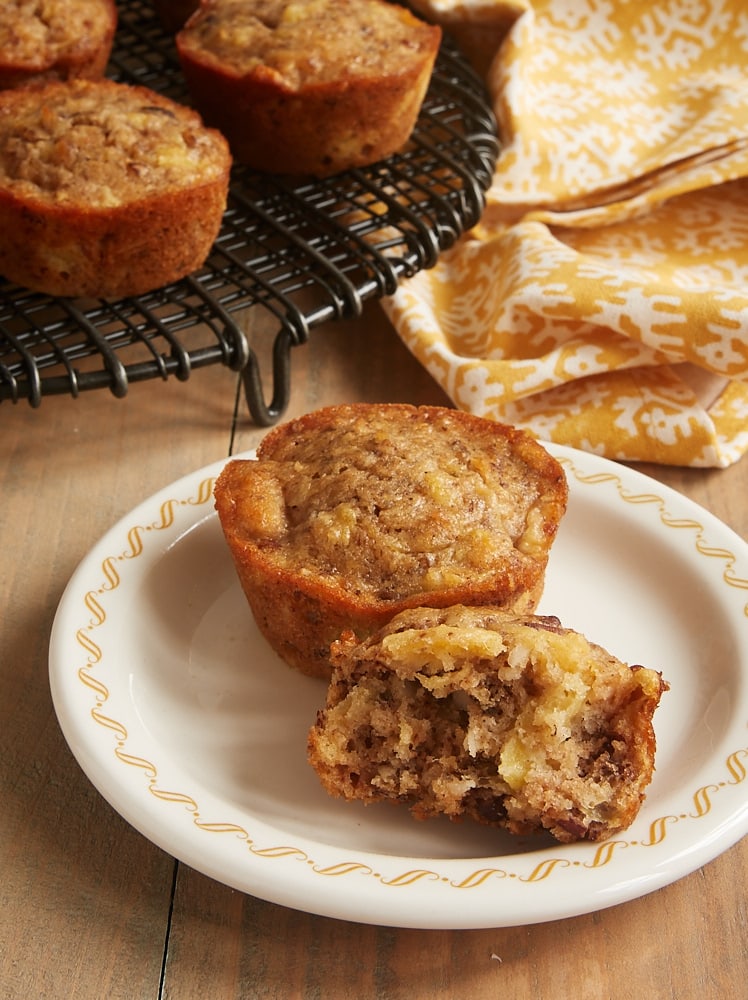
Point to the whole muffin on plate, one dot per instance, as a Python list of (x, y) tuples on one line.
[(352, 513), (54, 40), (308, 86), (106, 190), (511, 721)]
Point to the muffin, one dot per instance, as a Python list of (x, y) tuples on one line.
[(354, 512), (54, 40), (510, 721), (308, 86), (106, 190)]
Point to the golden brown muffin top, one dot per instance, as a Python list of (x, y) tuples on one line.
[(36, 33), (393, 500), (102, 143), (306, 41)]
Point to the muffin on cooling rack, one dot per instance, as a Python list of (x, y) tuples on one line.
[(512, 721), (308, 86), (354, 512), (106, 190), (54, 40)]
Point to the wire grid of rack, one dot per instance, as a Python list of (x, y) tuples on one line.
[(291, 253)]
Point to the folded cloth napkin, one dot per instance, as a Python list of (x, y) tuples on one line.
[(602, 299)]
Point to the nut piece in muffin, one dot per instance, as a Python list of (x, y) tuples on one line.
[(43, 40), (106, 190), (355, 512), (308, 86), (512, 721)]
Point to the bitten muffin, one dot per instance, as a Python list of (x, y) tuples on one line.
[(308, 86), (106, 190), (512, 721), (44, 40), (355, 512)]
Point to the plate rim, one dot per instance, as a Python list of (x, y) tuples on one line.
[(471, 876)]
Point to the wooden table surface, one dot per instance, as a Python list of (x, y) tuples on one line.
[(91, 909)]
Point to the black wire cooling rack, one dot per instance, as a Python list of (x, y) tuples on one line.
[(290, 254)]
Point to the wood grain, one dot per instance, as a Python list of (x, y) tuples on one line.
[(90, 909), (84, 899)]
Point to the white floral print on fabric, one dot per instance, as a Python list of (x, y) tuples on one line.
[(602, 299)]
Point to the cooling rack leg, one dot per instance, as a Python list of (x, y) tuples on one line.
[(262, 413)]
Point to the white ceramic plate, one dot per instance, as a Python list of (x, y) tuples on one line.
[(195, 732)]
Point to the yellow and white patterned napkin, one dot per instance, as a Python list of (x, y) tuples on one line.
[(602, 300)]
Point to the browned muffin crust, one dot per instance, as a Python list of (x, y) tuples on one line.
[(354, 512), (44, 40), (308, 86), (105, 190), (512, 721)]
